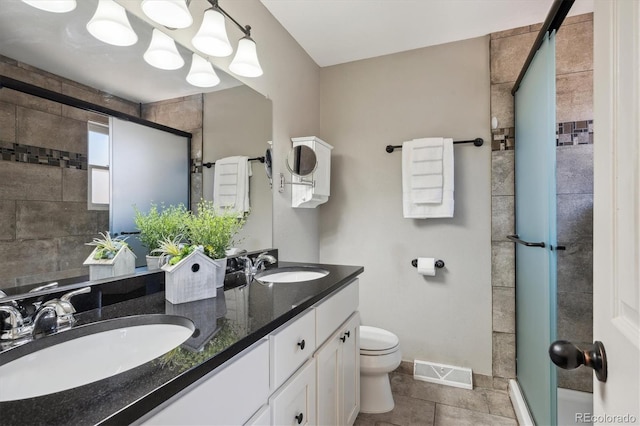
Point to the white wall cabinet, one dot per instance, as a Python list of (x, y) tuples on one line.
[(306, 196), (338, 375), (281, 380)]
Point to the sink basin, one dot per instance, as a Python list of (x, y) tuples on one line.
[(88, 353), (291, 274)]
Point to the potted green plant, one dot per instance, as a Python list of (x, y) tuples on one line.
[(195, 262), (158, 224), (111, 257)]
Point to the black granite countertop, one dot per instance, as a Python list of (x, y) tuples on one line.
[(225, 326)]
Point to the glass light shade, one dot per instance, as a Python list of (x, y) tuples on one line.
[(55, 6), (201, 73), (162, 52), (211, 38), (245, 63), (110, 25), (170, 13)]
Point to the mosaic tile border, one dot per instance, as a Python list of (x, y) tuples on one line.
[(567, 134), (574, 133), (44, 156)]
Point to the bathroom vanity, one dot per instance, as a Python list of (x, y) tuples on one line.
[(261, 354)]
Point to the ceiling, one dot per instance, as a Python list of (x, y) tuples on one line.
[(338, 31), (331, 31)]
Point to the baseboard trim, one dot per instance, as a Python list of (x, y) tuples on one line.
[(520, 405)]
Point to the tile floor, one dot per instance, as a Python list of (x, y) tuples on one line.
[(423, 403)]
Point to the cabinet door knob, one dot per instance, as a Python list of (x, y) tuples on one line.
[(343, 338), (299, 418), (347, 333), (301, 344)]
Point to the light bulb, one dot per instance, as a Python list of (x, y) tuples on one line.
[(162, 52), (201, 73), (55, 6), (211, 38), (110, 25), (245, 63)]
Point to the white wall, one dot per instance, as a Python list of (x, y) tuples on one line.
[(291, 81), (365, 105)]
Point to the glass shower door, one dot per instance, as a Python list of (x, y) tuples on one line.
[(535, 164)]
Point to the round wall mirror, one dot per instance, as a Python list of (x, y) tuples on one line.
[(301, 160)]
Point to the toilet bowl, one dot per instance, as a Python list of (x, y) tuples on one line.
[(379, 355)]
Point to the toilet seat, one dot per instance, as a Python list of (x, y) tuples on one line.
[(376, 341)]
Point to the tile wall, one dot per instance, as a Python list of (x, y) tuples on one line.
[(574, 105)]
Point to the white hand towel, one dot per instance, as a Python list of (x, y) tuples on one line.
[(231, 184), (425, 159), (416, 210)]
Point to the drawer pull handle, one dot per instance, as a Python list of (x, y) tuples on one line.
[(299, 418), (301, 344), (343, 338), (347, 333)]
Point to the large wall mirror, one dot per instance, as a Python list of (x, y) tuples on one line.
[(45, 217)]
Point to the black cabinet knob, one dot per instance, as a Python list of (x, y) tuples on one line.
[(299, 418), (347, 333), (343, 338), (566, 355), (301, 344)]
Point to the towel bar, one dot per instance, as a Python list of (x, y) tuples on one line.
[(260, 159), (439, 263), (476, 142)]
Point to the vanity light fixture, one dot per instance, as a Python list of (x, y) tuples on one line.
[(201, 73), (212, 40), (162, 52), (111, 25), (170, 13), (55, 6)]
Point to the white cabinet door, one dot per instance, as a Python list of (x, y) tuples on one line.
[(261, 418), (295, 402), (338, 375), (350, 374)]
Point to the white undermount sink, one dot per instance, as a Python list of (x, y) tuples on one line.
[(88, 353), (291, 274)]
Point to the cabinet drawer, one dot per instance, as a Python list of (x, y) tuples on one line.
[(331, 313), (226, 397), (295, 402), (291, 346)]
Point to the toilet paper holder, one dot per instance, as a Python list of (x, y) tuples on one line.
[(438, 264)]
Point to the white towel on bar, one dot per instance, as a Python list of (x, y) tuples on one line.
[(421, 210), (425, 168), (231, 184)]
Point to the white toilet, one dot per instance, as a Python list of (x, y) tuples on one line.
[(379, 355)]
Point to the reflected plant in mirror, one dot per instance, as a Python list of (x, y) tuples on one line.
[(158, 225)]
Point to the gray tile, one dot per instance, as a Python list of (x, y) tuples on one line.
[(402, 384), (578, 18), (504, 355), (574, 47), (502, 173), (455, 416), (183, 113), (24, 258), (7, 122), (102, 220), (508, 55), (502, 217), (500, 383), (95, 96), (574, 169), (503, 264), (510, 33), (574, 96), (72, 251), (500, 403), (574, 217), (575, 317), (482, 381), (407, 412), (502, 104), (74, 185), (504, 309), (7, 220), (51, 276), (196, 187), (575, 267), (51, 131), (48, 219), (82, 115), (21, 181), (196, 143)]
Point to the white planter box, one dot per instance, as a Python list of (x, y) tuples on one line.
[(195, 277), (153, 262), (123, 263)]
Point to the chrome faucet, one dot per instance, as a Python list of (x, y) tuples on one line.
[(253, 267), (53, 315)]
